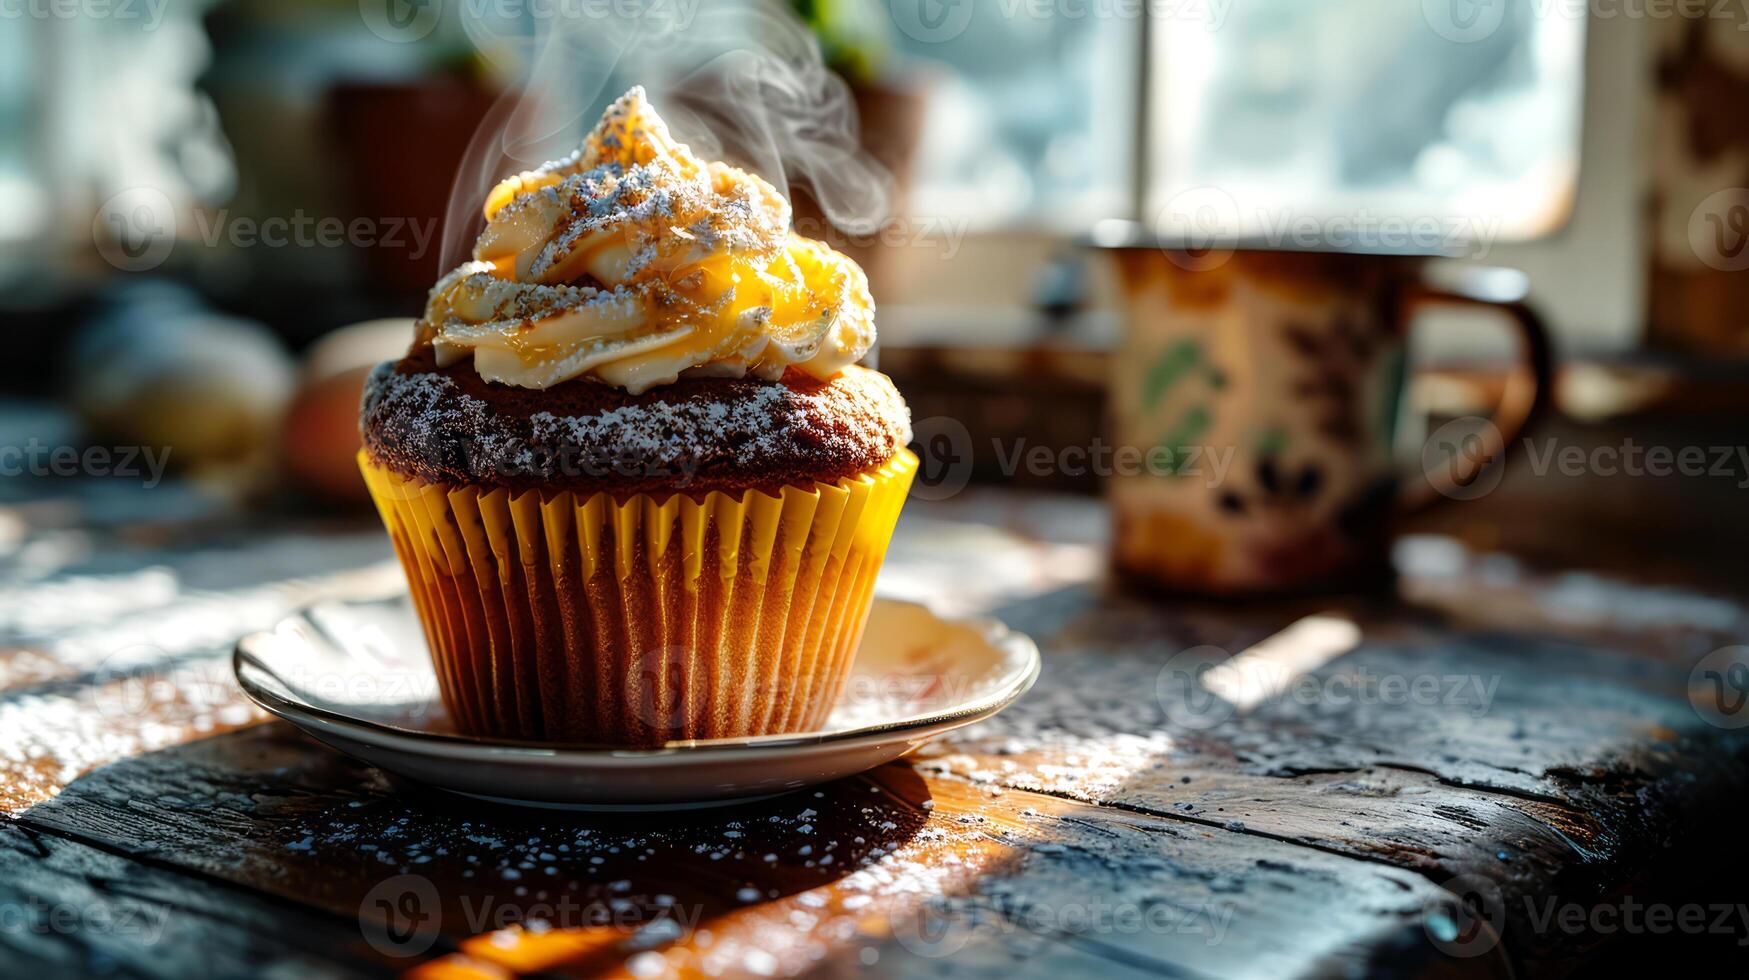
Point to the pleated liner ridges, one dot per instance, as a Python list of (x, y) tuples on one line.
[(583, 619)]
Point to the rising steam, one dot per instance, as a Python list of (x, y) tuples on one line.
[(767, 104)]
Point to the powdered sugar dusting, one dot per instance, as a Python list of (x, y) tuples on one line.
[(446, 433), (594, 264), (425, 415)]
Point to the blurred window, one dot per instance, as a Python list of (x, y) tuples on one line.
[(21, 207), (1460, 111), (1031, 115)]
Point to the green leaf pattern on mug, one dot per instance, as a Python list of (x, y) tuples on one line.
[(1192, 425), (1272, 441), (1176, 364), (1168, 369)]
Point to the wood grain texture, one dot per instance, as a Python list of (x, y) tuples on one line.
[(887, 868), (121, 643), (71, 910), (1103, 825), (1532, 759)]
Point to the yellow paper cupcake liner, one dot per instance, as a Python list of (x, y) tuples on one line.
[(582, 618)]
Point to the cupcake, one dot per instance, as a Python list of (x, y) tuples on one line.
[(638, 483)]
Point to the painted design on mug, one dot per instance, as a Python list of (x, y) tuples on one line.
[(1182, 362), (1336, 357), (1279, 485), (1281, 529)]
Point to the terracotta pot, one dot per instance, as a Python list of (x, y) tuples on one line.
[(400, 145)]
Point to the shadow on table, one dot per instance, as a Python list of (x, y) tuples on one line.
[(422, 871), (1551, 765)]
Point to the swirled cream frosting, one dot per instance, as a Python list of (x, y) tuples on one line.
[(635, 263)]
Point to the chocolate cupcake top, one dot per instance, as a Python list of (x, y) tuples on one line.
[(634, 263), (636, 319), (447, 425)]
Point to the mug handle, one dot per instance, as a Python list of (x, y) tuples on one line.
[(1502, 290)]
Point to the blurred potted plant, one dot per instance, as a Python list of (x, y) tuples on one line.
[(402, 141)]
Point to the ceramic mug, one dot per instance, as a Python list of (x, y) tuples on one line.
[(1259, 392)]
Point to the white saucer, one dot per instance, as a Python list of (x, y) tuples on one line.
[(357, 676)]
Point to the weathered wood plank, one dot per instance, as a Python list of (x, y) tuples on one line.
[(73, 910), (781, 886), (1316, 826), (1531, 760), (127, 650), (1666, 621), (1520, 714)]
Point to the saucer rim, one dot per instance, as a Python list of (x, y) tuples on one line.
[(1017, 647)]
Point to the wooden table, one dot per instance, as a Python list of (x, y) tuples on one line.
[(1552, 763)]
